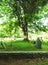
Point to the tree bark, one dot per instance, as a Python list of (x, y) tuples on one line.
[(25, 36), (25, 30)]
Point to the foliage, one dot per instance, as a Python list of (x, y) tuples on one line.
[(23, 14)]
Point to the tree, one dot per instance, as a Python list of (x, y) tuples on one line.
[(25, 12), (24, 8)]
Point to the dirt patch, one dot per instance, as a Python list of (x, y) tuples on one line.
[(24, 59), (12, 61)]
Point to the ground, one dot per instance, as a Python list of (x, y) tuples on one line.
[(23, 46), (38, 61)]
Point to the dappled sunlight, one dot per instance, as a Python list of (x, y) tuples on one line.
[(23, 32), (45, 21), (21, 24)]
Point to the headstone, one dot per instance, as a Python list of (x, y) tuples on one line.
[(39, 43), (3, 45)]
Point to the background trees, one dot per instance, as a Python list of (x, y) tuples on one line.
[(26, 14)]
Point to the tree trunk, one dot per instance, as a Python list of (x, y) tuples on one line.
[(24, 25), (25, 35), (25, 30)]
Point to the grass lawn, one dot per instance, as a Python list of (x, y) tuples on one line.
[(23, 46)]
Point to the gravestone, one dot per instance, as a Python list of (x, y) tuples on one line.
[(39, 43), (2, 44)]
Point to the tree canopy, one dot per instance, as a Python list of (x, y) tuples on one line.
[(25, 14)]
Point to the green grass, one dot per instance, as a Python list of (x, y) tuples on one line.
[(23, 46), (20, 46)]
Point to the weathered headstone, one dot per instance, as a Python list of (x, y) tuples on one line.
[(3, 45), (39, 43)]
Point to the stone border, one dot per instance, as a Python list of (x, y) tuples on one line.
[(23, 54), (8, 52)]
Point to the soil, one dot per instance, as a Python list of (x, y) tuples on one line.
[(12, 61), (23, 58)]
